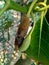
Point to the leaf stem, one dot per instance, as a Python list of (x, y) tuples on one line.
[(31, 7), (43, 8), (13, 5), (41, 3), (45, 1), (41, 24)]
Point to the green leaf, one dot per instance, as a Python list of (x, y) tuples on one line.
[(47, 1), (26, 43), (47, 15), (40, 51)]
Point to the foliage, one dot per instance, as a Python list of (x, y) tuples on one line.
[(36, 43)]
